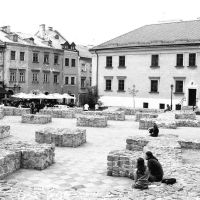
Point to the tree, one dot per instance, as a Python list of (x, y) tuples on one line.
[(92, 96), (133, 92)]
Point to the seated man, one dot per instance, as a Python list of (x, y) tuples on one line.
[(154, 130), (168, 108), (155, 168)]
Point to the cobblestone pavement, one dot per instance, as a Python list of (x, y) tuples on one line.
[(80, 173)]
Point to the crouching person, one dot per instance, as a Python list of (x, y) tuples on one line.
[(141, 175), (154, 130)]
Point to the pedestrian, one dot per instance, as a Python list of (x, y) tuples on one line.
[(141, 175), (96, 106), (86, 107), (154, 167), (168, 108), (154, 130)]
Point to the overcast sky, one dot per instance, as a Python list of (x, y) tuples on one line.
[(91, 22)]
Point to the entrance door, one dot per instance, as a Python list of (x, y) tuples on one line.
[(192, 97)]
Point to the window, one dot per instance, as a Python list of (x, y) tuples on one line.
[(120, 85), (56, 58), (83, 67), (12, 55), (108, 84), (66, 80), (145, 105), (55, 78), (83, 82), (35, 77), (12, 76), (162, 106), (154, 61), (73, 63), (46, 58), (46, 77), (21, 56), (154, 85), (121, 61), (72, 80), (21, 76), (179, 60), (109, 61), (66, 61), (35, 57), (192, 59), (179, 86)]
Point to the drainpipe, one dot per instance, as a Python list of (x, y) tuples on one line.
[(97, 73)]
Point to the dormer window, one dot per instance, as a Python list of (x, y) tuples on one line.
[(73, 46), (50, 43), (15, 38), (57, 36)]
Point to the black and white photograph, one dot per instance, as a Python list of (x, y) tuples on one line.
[(99, 100)]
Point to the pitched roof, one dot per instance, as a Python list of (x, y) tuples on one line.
[(83, 51), (183, 32)]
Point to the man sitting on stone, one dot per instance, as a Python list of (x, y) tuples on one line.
[(154, 130), (154, 167), (168, 108)]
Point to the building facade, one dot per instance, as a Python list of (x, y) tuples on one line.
[(76, 62), (30, 64), (161, 62)]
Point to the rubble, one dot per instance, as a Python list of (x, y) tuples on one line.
[(4, 131)]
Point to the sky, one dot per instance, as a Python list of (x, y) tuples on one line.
[(92, 22)]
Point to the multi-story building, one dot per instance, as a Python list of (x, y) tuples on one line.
[(162, 61), (30, 63), (76, 62)]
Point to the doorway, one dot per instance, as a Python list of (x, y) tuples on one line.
[(192, 97)]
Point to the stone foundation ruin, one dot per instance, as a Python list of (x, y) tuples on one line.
[(36, 119)]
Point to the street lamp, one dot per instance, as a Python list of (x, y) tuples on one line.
[(171, 93)]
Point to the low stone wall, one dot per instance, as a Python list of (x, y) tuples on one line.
[(111, 115), (63, 137), (91, 121), (13, 111), (21, 111), (58, 113), (132, 111), (134, 143), (9, 162), (32, 156), (189, 144), (140, 115), (1, 113), (36, 119), (187, 123), (4, 131), (8, 110), (185, 115), (146, 123), (122, 163)]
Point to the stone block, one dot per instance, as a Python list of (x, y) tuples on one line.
[(58, 113), (189, 144), (123, 164), (63, 137), (140, 115), (187, 123), (146, 123), (33, 156), (185, 115), (1, 113), (8, 110), (134, 143), (111, 115), (9, 162), (4, 131), (36, 119), (91, 121), (21, 111)]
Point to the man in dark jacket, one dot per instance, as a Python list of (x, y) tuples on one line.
[(154, 130), (155, 168)]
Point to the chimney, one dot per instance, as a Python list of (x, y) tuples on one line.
[(6, 29), (50, 28), (42, 30)]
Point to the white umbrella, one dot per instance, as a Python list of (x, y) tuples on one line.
[(57, 96), (67, 96), (20, 95)]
